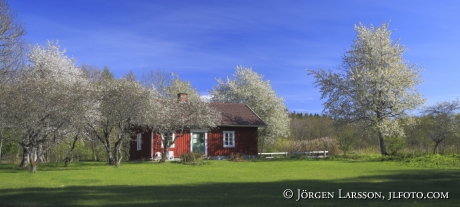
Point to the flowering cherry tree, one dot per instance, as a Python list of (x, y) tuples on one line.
[(120, 105), (11, 58), (376, 85), (48, 94), (249, 88)]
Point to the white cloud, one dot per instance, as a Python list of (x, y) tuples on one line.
[(206, 98)]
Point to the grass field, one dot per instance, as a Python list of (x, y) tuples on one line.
[(224, 183)]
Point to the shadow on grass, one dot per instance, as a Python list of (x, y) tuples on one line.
[(52, 166), (284, 159), (247, 194)]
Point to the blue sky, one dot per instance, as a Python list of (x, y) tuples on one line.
[(205, 40)]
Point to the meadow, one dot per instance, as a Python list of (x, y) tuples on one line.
[(259, 182)]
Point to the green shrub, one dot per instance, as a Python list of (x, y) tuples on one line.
[(192, 158), (395, 144), (432, 161), (414, 160), (236, 157)]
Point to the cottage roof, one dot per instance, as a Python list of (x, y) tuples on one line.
[(234, 114)]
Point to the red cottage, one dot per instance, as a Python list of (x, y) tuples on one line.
[(236, 133)]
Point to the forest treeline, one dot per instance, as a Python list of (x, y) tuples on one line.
[(422, 134)]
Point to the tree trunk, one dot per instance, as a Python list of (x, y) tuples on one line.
[(261, 145), (383, 149), (304, 146), (117, 162), (1, 142), (25, 157), (435, 147), (105, 140), (93, 145), (110, 157), (261, 139), (108, 149), (33, 156), (41, 154), (33, 167), (118, 154), (165, 151), (69, 156)]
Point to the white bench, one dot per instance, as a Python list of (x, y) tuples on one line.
[(273, 153), (313, 154), (169, 157)]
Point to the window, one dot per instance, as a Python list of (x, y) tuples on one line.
[(229, 138), (139, 141), (168, 136)]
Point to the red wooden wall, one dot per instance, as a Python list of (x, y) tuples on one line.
[(245, 142), (181, 144), (145, 152)]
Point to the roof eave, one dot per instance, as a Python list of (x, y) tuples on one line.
[(256, 114), (261, 126)]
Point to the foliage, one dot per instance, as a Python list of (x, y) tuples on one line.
[(177, 86), (120, 105), (313, 132), (168, 86), (192, 158), (11, 59), (440, 122), (280, 145), (414, 160), (11, 42), (324, 143), (248, 87), (236, 157), (49, 95), (345, 139), (9, 145), (308, 127), (376, 85), (85, 150), (395, 144), (431, 161)]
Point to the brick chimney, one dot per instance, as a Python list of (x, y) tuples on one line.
[(182, 97)]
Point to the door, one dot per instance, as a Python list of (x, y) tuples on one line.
[(198, 142)]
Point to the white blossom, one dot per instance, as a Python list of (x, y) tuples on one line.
[(48, 95), (376, 84), (248, 87)]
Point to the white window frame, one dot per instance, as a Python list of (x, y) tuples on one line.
[(139, 141), (232, 133), (173, 138)]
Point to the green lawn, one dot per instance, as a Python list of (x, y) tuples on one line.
[(223, 183)]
